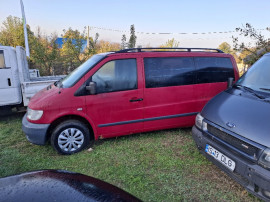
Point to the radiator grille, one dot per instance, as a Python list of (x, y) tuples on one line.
[(237, 143)]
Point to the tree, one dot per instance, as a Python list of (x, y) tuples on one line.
[(44, 53), (123, 41), (106, 46), (12, 33), (260, 46), (73, 34), (133, 37), (171, 43), (74, 51), (226, 48), (92, 49)]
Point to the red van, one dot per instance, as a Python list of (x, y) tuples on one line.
[(125, 92)]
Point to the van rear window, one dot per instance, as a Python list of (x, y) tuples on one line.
[(176, 71), (173, 71), (213, 69)]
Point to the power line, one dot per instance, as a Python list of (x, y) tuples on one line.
[(169, 33)]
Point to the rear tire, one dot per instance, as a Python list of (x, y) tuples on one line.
[(70, 137)]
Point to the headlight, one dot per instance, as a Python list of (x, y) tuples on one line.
[(265, 159), (34, 114), (200, 123)]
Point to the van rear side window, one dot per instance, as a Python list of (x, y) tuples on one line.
[(2, 60), (213, 69), (173, 71)]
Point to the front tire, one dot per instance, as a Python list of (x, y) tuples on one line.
[(70, 137)]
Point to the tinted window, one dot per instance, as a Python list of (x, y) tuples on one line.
[(2, 60), (161, 72), (116, 75), (213, 69)]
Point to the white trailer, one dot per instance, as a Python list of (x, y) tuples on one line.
[(16, 84)]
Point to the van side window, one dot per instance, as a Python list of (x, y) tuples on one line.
[(2, 60), (173, 71), (116, 75), (213, 69)]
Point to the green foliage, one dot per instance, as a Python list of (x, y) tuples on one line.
[(260, 46), (72, 53), (73, 34), (171, 43), (43, 50), (12, 33), (123, 41), (226, 48), (44, 53), (106, 46), (133, 37)]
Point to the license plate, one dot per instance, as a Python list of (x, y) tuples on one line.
[(226, 161)]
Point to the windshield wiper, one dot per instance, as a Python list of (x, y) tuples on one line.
[(253, 92), (267, 89)]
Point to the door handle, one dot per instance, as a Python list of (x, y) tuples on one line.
[(9, 82), (136, 100)]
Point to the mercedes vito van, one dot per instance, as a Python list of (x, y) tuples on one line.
[(125, 92), (233, 130)]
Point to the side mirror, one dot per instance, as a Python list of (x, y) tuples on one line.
[(91, 88), (230, 82)]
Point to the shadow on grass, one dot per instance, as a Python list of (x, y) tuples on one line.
[(12, 116), (144, 135)]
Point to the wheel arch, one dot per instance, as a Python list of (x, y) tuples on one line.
[(57, 121)]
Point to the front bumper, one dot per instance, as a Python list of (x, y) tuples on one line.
[(35, 133), (252, 176)]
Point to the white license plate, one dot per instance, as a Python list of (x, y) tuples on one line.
[(226, 161)]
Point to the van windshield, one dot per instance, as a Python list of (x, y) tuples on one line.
[(80, 71), (258, 76)]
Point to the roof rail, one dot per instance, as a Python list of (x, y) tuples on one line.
[(169, 50)]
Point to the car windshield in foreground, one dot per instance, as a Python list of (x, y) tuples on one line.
[(257, 77), (80, 71)]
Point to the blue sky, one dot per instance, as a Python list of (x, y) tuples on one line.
[(154, 16)]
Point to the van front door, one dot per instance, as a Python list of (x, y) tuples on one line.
[(117, 106)]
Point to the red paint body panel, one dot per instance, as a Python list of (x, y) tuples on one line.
[(115, 108)]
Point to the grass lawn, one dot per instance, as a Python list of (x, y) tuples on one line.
[(156, 166)]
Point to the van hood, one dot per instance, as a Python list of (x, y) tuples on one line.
[(250, 116), (44, 97)]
